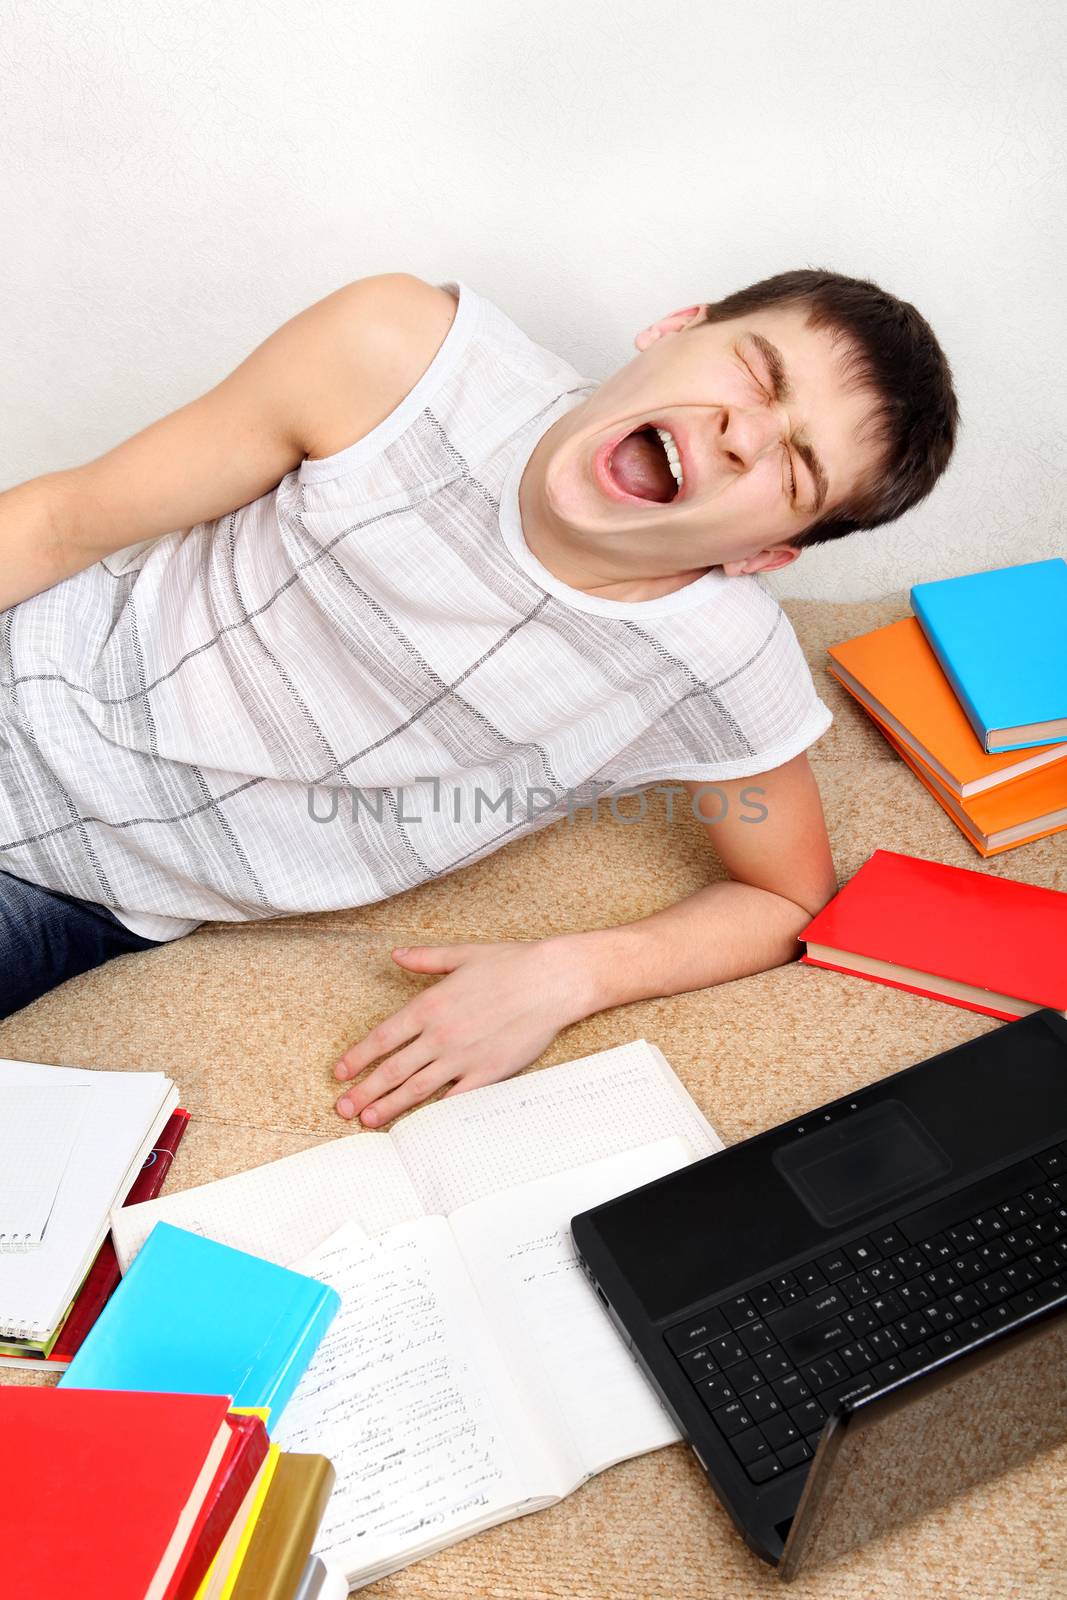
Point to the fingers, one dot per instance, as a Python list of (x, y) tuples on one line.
[(420, 1086), (394, 1031), (388, 1075), (429, 957)]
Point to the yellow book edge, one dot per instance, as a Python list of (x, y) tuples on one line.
[(211, 1576), (250, 1526)]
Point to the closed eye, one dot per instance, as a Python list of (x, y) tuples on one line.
[(769, 397)]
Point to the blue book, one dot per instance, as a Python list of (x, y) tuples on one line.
[(195, 1317), (1001, 639)]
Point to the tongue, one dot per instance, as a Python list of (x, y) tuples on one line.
[(639, 466)]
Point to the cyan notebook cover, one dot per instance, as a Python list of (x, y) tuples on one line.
[(192, 1316), (1001, 639)]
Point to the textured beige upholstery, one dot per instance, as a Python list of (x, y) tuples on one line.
[(248, 1019)]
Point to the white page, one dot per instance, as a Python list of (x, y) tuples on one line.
[(126, 1113), (285, 1208), (39, 1123), (581, 1378), (461, 1149), (410, 1398)]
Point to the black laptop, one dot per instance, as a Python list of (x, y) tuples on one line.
[(864, 1311)]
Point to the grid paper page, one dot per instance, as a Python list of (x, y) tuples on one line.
[(38, 1126), (461, 1149), (285, 1208)]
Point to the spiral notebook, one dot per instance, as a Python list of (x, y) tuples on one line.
[(118, 1122)]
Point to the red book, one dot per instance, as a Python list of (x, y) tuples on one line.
[(104, 1276), (80, 1512), (977, 940), (245, 1454)]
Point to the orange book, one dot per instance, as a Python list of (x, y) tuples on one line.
[(897, 678), (1003, 818)]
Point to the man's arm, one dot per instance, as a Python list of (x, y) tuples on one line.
[(771, 838), (500, 1004), (334, 366)]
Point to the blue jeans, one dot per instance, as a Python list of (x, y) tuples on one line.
[(46, 938)]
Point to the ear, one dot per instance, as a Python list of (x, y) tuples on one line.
[(763, 561), (672, 324)]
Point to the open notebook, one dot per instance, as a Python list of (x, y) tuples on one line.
[(443, 1156), (471, 1375)]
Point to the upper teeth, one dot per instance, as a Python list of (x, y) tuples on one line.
[(673, 458)]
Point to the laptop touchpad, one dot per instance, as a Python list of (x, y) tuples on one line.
[(861, 1163)]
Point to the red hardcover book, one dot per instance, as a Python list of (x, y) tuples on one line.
[(104, 1276), (245, 1454), (79, 1512), (974, 939)]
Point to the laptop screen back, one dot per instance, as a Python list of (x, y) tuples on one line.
[(907, 1452)]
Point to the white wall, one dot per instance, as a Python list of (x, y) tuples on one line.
[(177, 181)]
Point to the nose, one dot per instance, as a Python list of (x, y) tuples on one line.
[(744, 436)]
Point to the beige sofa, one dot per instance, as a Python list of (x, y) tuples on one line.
[(248, 1019)]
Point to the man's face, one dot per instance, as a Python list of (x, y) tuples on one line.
[(766, 431)]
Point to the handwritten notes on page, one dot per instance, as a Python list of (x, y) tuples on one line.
[(410, 1398)]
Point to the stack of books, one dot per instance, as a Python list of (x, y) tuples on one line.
[(210, 1509), (175, 1373), (199, 1349), (971, 692), (74, 1144)]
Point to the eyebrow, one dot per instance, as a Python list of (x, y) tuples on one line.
[(783, 391)]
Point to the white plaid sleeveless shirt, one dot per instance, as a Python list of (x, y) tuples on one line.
[(365, 679)]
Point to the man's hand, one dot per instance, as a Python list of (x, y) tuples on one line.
[(499, 1007)]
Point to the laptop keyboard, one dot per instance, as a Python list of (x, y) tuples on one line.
[(769, 1364)]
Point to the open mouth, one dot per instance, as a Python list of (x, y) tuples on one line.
[(646, 465)]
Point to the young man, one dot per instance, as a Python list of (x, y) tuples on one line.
[(462, 582)]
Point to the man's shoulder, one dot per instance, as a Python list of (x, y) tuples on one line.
[(411, 319), (420, 313), (392, 327)]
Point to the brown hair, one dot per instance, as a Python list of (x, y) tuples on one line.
[(891, 351)]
